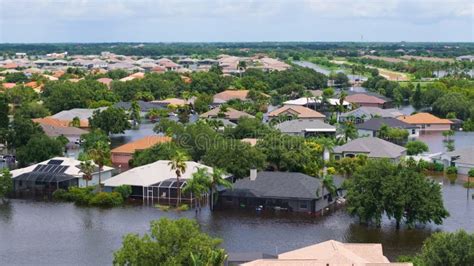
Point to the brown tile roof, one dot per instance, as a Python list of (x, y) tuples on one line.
[(424, 118), (32, 84), (332, 253), (228, 95), (231, 114), (173, 101), (250, 141), (298, 111), (10, 66), (364, 98), (141, 144), (58, 122), (105, 81)]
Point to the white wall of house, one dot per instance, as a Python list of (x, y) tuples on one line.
[(95, 179), (434, 127)]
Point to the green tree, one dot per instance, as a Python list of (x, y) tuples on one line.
[(16, 77), (198, 184), (39, 148), (380, 187), (4, 109), (178, 164), (170, 242), (202, 103), (112, 120), (416, 147), (327, 184), (21, 131), (135, 112), (349, 130), (416, 98), (6, 184), (100, 154), (445, 248), (161, 151), (32, 110), (21, 94), (75, 122), (216, 179), (87, 169), (90, 139)]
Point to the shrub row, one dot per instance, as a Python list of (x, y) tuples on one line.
[(87, 197)]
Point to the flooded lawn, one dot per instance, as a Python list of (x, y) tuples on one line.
[(34, 233)]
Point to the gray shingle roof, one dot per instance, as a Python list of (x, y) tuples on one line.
[(277, 185), (302, 125), (372, 112), (374, 147), (376, 123), (466, 156)]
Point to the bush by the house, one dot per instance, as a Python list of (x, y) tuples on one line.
[(471, 173), (451, 170), (124, 190), (104, 199), (60, 195)]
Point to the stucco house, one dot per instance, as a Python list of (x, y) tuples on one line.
[(372, 127), (122, 155), (372, 148), (462, 159), (306, 128), (427, 122)]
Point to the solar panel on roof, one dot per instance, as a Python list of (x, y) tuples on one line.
[(55, 162)]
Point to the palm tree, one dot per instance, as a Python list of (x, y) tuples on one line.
[(198, 185), (87, 169), (100, 154), (327, 183), (215, 181), (178, 164), (350, 131)]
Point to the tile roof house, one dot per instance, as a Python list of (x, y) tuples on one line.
[(364, 113), (55, 128), (371, 147), (65, 117), (361, 99), (462, 159), (231, 114), (105, 81), (123, 154), (372, 126), (8, 85), (285, 190), (331, 252), (306, 128), (297, 111), (427, 122), (227, 95)]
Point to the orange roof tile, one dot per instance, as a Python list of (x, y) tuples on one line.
[(58, 122), (9, 85), (141, 144), (232, 94), (32, 84), (58, 73), (364, 98), (297, 110), (424, 118), (105, 81)]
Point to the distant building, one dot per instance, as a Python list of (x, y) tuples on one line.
[(372, 126), (296, 111), (67, 116), (371, 147), (230, 114), (427, 122), (122, 155), (365, 100), (227, 95), (307, 128), (363, 114)]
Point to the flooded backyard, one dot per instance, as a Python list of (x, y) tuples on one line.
[(35, 233)]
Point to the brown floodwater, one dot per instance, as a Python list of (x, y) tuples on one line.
[(34, 233)]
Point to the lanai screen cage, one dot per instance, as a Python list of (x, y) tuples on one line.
[(43, 180), (166, 192)]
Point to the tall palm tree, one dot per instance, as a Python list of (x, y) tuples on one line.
[(198, 185), (327, 183), (87, 169), (215, 181), (178, 164), (100, 154)]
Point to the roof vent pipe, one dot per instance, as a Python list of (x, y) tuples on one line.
[(253, 174)]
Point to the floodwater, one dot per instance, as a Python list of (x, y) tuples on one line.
[(326, 72), (37, 233)]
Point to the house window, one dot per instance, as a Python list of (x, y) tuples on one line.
[(304, 205), (337, 157), (413, 131)]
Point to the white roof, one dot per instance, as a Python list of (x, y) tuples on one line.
[(310, 100), (72, 170), (153, 173)]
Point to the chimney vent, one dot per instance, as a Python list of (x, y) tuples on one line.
[(253, 174)]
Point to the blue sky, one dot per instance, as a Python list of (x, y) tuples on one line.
[(227, 20)]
